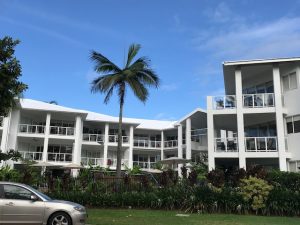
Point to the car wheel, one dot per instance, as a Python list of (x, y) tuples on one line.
[(60, 218)]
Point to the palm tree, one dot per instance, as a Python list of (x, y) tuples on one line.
[(137, 76)]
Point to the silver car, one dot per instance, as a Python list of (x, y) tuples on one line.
[(21, 204)]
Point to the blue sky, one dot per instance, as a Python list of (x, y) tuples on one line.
[(187, 42)]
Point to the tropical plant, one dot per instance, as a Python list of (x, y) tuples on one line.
[(10, 72), (137, 76), (11, 154), (255, 191)]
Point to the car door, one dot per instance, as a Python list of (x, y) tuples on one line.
[(18, 208), (1, 202)]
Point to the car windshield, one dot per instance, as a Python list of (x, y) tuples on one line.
[(47, 198)]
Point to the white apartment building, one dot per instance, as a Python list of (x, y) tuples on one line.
[(257, 121), (59, 135)]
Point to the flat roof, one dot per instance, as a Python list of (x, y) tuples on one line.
[(260, 61)]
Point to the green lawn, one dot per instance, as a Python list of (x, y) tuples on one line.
[(155, 217)]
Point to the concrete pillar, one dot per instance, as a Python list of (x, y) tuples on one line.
[(188, 141), (162, 145), (240, 117), (105, 149), (180, 153), (78, 140), (130, 154), (46, 139), (210, 135), (279, 118), (5, 133)]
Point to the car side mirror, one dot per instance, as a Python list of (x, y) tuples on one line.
[(34, 198)]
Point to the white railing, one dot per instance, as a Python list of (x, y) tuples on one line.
[(66, 131), (144, 165), (93, 138), (60, 157), (226, 144), (261, 144), (31, 129), (260, 100), (146, 143), (1, 121), (170, 144), (113, 162), (224, 102), (92, 161), (36, 156), (114, 139)]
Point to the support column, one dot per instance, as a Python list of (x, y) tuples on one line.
[(188, 141), (240, 117), (105, 149), (5, 133), (78, 140), (180, 153), (210, 135), (279, 118), (46, 139), (130, 154), (162, 146)]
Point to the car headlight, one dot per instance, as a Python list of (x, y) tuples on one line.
[(79, 208)]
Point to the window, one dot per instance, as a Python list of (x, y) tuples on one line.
[(293, 124), (15, 192), (290, 81)]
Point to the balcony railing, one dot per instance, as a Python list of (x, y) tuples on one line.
[(113, 162), (31, 129), (145, 165), (224, 102), (260, 100), (60, 157), (170, 144), (146, 143), (261, 144), (114, 139), (66, 131), (36, 156), (199, 136), (92, 161), (93, 138), (226, 144)]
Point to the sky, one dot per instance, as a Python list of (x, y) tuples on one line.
[(186, 40)]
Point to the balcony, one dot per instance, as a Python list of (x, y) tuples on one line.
[(63, 131), (99, 138), (114, 139), (224, 102), (171, 144), (31, 129), (261, 100), (86, 161), (113, 162), (199, 136), (261, 144), (226, 144), (32, 156), (145, 165), (60, 157), (142, 143)]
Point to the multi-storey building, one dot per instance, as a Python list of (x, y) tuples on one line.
[(257, 121), (59, 135)]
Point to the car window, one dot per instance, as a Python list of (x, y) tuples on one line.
[(16, 192)]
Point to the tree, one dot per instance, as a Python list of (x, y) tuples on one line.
[(11, 154), (10, 72), (137, 76)]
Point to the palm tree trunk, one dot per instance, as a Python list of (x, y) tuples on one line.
[(119, 150)]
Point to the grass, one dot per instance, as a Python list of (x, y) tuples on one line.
[(159, 217)]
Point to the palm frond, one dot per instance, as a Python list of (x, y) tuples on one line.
[(103, 64), (139, 89), (109, 94), (104, 83), (132, 52), (140, 63), (148, 77)]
